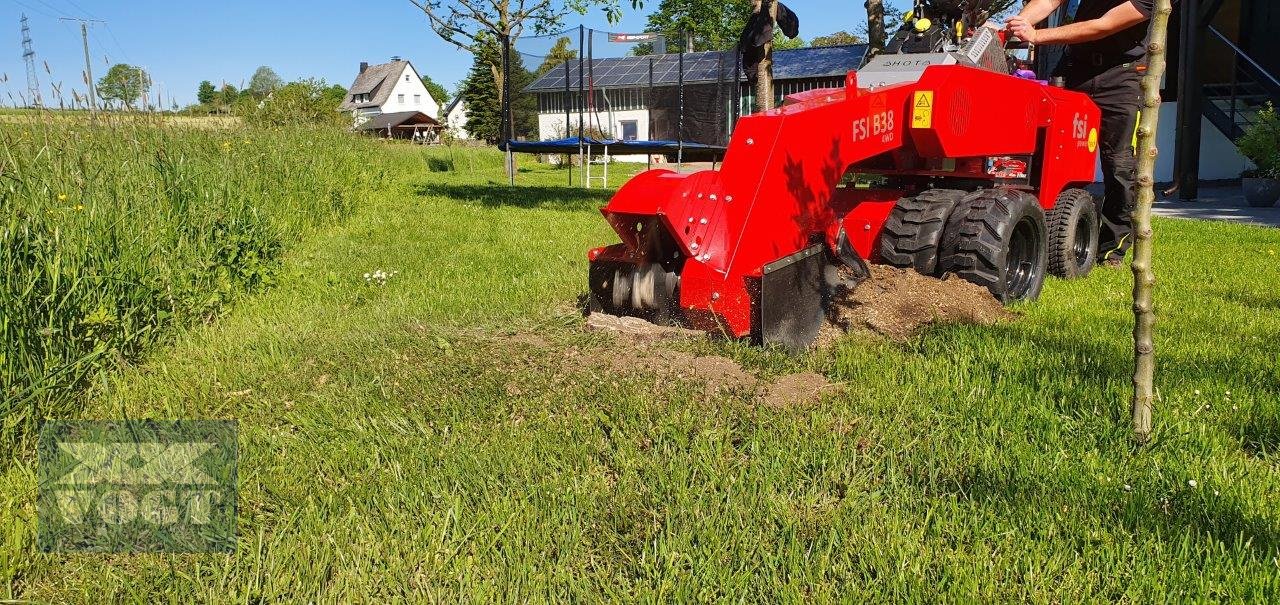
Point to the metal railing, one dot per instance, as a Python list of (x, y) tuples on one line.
[(1250, 86)]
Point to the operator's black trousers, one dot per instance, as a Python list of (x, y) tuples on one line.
[(1117, 91)]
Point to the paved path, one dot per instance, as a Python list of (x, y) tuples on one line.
[(1217, 203)]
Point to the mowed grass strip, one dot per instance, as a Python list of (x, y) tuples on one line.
[(453, 434)]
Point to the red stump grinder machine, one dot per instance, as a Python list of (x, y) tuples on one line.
[(977, 171)]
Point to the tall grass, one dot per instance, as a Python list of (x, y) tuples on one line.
[(113, 233)]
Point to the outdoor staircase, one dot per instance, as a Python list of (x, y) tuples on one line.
[(1233, 106)]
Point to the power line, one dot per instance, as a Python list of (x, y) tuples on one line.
[(35, 9), (81, 9), (52, 8), (116, 41)]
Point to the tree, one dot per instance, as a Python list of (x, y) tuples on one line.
[(782, 42), (306, 101), (438, 92), (228, 95), (840, 38), (480, 93), (560, 53), (471, 24), (334, 95), (710, 25), (876, 30), (206, 93), (264, 82), (124, 83), (1144, 279), (484, 105)]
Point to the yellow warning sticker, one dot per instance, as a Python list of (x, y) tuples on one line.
[(922, 109)]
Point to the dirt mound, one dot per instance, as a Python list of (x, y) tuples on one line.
[(794, 390), (717, 374), (899, 302), (637, 328)]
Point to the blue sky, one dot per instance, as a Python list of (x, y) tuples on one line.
[(182, 43)]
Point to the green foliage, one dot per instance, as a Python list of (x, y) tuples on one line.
[(334, 94), (1261, 143), (781, 42), (301, 102), (206, 93), (524, 107), (125, 84), (228, 96), (136, 228), (438, 92), (559, 53), (264, 82), (469, 24), (481, 94), (840, 38), (714, 25)]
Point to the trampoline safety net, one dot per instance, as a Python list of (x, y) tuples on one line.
[(637, 89)]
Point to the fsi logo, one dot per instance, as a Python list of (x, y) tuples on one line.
[(878, 125), (134, 486), (1079, 127)]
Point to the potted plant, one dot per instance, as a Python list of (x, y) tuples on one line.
[(1261, 144)]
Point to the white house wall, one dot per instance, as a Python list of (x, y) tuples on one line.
[(408, 83), (551, 126), (1219, 158), (456, 121)]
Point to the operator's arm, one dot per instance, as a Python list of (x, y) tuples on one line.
[(1118, 19), (1035, 11)]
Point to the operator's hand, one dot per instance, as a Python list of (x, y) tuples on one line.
[(1023, 29)]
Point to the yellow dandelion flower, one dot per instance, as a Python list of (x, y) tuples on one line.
[(62, 197), (79, 206)]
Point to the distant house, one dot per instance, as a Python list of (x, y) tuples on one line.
[(455, 118), (639, 98), (394, 87)]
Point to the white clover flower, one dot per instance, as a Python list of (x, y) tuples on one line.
[(1191, 482), (1128, 488)]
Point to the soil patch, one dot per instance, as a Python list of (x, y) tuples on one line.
[(795, 390), (899, 302), (637, 328)]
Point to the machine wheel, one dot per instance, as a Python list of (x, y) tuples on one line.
[(914, 229), (997, 239), (1073, 234)]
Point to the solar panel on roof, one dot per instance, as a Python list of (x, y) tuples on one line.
[(700, 67)]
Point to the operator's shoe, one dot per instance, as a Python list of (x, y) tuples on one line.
[(1114, 261)]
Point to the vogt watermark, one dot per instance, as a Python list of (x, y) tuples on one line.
[(137, 486)]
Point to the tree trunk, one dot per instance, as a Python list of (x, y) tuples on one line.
[(764, 71), (875, 26), (1144, 279)]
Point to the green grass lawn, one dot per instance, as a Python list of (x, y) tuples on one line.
[(453, 435)]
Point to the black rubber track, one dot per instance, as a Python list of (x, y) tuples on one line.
[(997, 239), (1073, 234), (914, 229)]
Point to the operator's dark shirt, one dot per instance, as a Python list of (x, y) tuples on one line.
[(1127, 44)]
